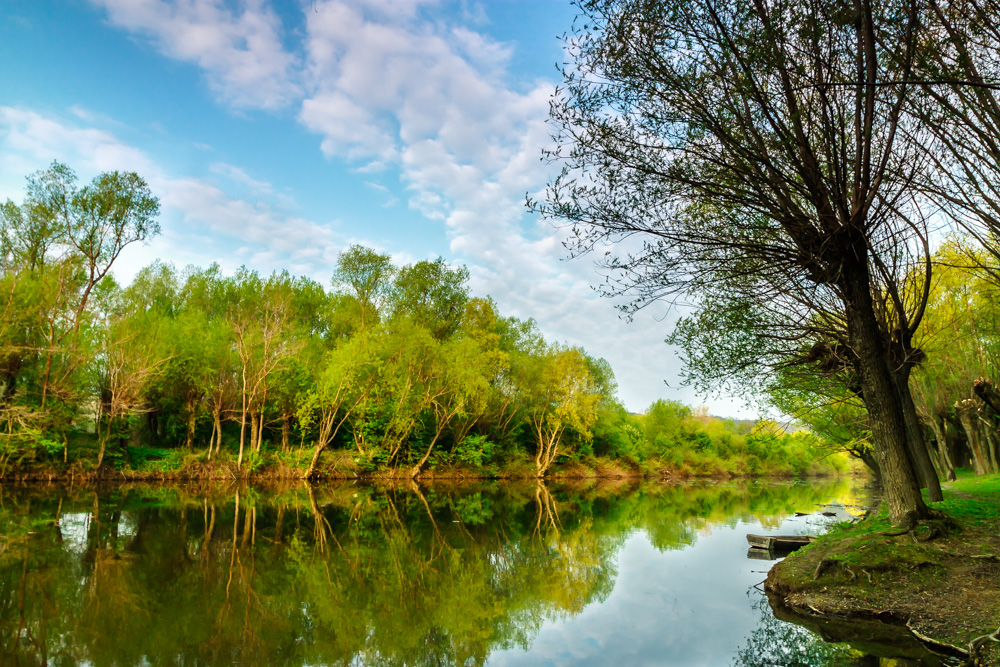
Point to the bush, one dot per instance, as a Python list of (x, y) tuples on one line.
[(475, 451), (253, 461)]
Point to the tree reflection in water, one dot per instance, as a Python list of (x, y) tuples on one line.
[(336, 575), (774, 642)]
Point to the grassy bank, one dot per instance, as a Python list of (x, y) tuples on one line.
[(939, 581)]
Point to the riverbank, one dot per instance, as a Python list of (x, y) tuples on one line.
[(184, 464), (938, 582)]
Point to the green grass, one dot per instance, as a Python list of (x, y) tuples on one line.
[(983, 507), (987, 486)]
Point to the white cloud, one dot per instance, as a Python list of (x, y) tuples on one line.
[(348, 129), (240, 48), (238, 175)]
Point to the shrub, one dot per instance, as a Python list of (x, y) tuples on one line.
[(475, 451)]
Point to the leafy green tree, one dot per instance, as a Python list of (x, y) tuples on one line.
[(57, 246), (128, 361), (562, 396), (433, 294), (348, 375), (457, 391), (366, 275), (261, 317)]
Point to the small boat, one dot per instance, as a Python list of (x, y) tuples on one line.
[(779, 542)]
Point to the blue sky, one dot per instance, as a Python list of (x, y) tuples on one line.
[(276, 133)]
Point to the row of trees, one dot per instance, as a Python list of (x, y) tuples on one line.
[(786, 167), (395, 368), (395, 360)]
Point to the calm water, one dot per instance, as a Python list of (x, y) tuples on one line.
[(503, 574)]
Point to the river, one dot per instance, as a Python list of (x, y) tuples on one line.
[(352, 574)]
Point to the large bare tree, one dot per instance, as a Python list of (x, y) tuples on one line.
[(754, 146)]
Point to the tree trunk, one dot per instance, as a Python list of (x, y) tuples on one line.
[(260, 432), (880, 396), (192, 418), (966, 410), (415, 470), (243, 417), (327, 432), (916, 442), (286, 430), (243, 430), (253, 431), (548, 450), (311, 470), (211, 443), (985, 390), (868, 457), (944, 455), (217, 418), (990, 441), (104, 445)]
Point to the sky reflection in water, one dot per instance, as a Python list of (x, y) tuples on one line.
[(693, 606), (504, 574)]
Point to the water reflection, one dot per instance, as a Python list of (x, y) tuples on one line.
[(774, 642), (350, 575)]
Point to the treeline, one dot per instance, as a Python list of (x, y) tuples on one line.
[(955, 398), (394, 368)]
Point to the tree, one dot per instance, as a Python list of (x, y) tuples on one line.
[(959, 72), (128, 361), (744, 145), (97, 221), (830, 410), (261, 319), (433, 294), (458, 386), (348, 375), (367, 275), (207, 356), (562, 396), (55, 248)]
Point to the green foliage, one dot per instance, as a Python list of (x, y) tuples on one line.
[(395, 367), (27, 445), (253, 461), (476, 451), (140, 457)]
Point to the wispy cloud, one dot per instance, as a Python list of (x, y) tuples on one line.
[(231, 230), (238, 45)]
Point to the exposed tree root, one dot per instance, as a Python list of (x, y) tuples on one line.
[(935, 527), (977, 644), (935, 646), (824, 565)]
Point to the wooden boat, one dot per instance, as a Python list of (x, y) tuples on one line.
[(779, 542)]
